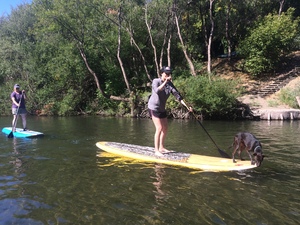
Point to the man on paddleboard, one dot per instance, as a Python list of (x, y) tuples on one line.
[(18, 106), (161, 89)]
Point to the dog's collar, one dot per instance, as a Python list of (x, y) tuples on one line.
[(256, 148)]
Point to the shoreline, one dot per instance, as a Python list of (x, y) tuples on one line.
[(276, 114)]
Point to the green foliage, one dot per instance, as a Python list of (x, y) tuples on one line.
[(273, 103), (105, 103), (271, 37), (5, 101), (61, 52), (288, 96), (123, 108), (212, 98), (68, 103)]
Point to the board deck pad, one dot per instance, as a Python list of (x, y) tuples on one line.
[(149, 151), (194, 161), (21, 133)]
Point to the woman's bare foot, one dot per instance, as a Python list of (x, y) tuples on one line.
[(158, 153), (164, 151)]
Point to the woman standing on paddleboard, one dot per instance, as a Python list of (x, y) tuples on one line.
[(18, 106), (161, 89)]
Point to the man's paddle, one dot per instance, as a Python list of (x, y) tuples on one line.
[(222, 153), (11, 134)]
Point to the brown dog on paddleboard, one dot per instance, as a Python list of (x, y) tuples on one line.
[(247, 141)]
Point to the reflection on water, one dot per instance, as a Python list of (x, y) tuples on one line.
[(159, 173), (63, 178), (13, 203)]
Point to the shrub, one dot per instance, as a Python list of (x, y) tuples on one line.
[(215, 98), (288, 96), (271, 37)]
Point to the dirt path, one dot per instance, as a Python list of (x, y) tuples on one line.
[(269, 107), (252, 86)]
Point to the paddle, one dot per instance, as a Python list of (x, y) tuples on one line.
[(222, 153), (11, 134)]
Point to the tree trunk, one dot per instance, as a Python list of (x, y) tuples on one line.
[(112, 97), (132, 40), (210, 37), (166, 40), (169, 50), (281, 7), (190, 63), (132, 106), (141, 54), (151, 39), (227, 30)]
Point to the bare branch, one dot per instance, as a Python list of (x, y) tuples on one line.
[(190, 63), (151, 39)]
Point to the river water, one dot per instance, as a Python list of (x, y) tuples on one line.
[(63, 178)]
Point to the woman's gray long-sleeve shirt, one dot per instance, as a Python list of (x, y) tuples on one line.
[(158, 98)]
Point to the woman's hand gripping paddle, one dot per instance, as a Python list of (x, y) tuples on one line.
[(222, 153), (11, 134)]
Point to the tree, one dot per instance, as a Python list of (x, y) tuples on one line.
[(210, 37), (88, 55), (17, 50), (75, 21), (184, 48), (281, 4), (272, 37)]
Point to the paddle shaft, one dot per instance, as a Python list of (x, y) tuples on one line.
[(222, 153), (11, 134)]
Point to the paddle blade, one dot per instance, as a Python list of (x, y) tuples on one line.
[(224, 154), (11, 135)]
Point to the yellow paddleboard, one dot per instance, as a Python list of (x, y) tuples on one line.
[(193, 161)]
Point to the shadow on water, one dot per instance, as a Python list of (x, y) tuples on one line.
[(63, 178)]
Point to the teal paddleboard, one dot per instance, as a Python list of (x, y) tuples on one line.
[(20, 133)]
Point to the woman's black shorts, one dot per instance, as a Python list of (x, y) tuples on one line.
[(157, 114)]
